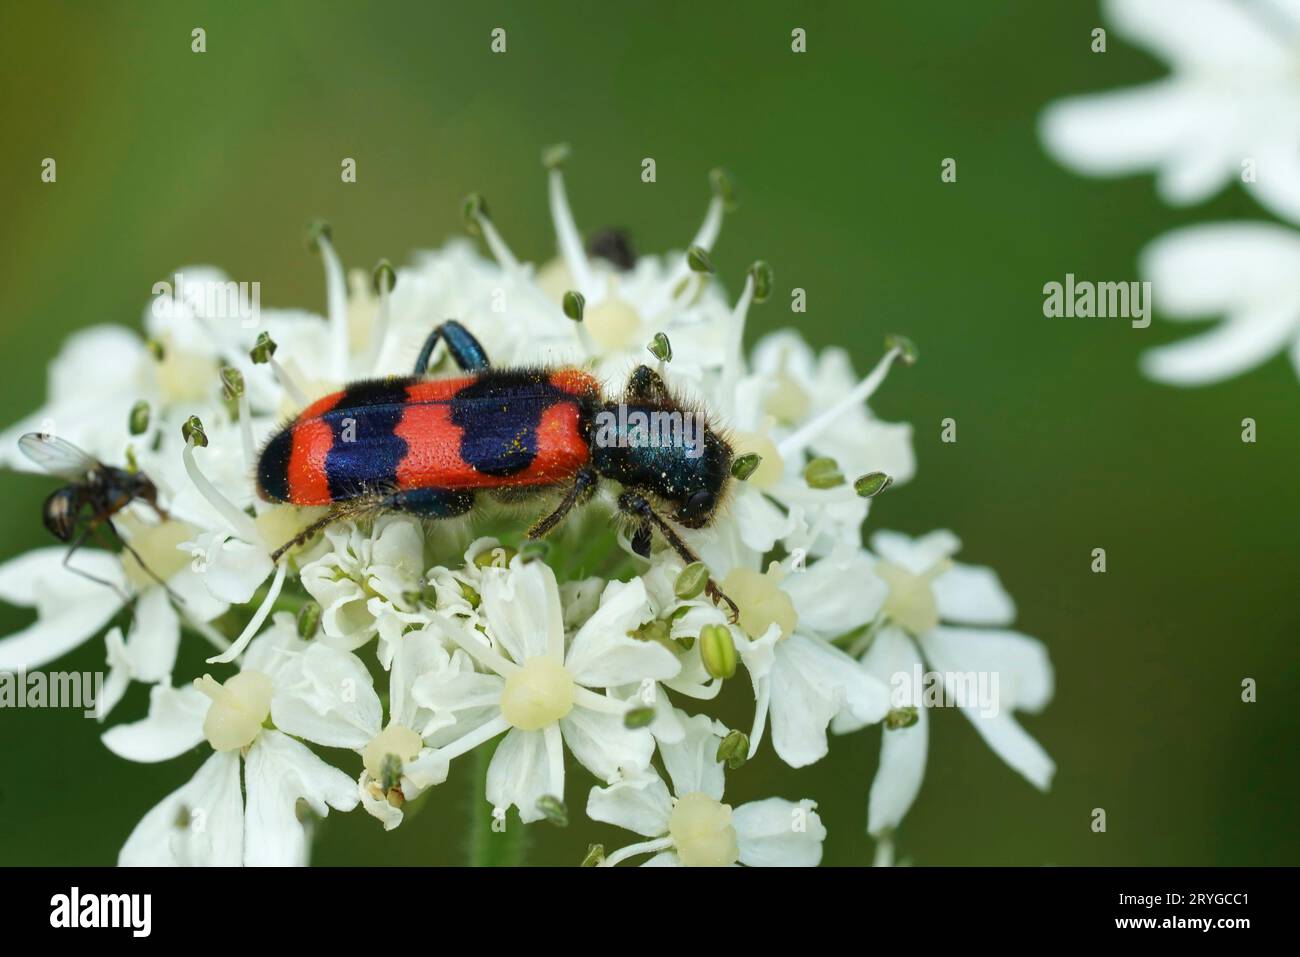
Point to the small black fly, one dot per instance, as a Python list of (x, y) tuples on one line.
[(94, 494)]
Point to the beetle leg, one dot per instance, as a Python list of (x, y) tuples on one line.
[(344, 510), (636, 505), (462, 346), (583, 482)]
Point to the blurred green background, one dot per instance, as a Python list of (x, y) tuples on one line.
[(167, 158)]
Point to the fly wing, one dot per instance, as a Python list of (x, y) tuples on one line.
[(58, 456)]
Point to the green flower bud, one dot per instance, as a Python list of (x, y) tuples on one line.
[(192, 430), (661, 348), (473, 209), (232, 383), (384, 278), (723, 187), (317, 230), (595, 855), (697, 257), (638, 718), (823, 473), (905, 346), (718, 651), (743, 466), (573, 304), (733, 749), (691, 581), (901, 718), (763, 278), (308, 620), (873, 483), (263, 349), (555, 155), (138, 421)]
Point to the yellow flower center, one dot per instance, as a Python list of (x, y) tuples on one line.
[(184, 376), (911, 601), (397, 740), (612, 322), (772, 467), (538, 694), (789, 401), (761, 599), (239, 709), (157, 545), (702, 832)]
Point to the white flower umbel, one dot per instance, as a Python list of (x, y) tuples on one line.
[(926, 592), (543, 696), (1248, 273), (692, 827), (208, 821), (1231, 99), (367, 582)]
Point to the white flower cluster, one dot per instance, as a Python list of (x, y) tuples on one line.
[(1229, 109), (413, 644)]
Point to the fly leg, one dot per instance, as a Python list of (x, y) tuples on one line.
[(67, 561), (462, 347), (583, 483), (140, 561), (635, 505)]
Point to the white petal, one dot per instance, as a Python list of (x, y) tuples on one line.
[(973, 595), (1025, 681), (812, 682), (235, 570), (1123, 131), (1023, 669), (779, 833), (519, 774), (327, 696), (836, 594), (199, 824), (280, 771), (522, 606), (173, 726), (418, 653), (1237, 345), (902, 750), (692, 763), (761, 523), (602, 655), (603, 745), (154, 637), (70, 609), (1216, 268), (640, 803), (916, 555)]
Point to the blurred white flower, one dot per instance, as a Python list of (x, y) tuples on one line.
[(1248, 273), (1229, 109)]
